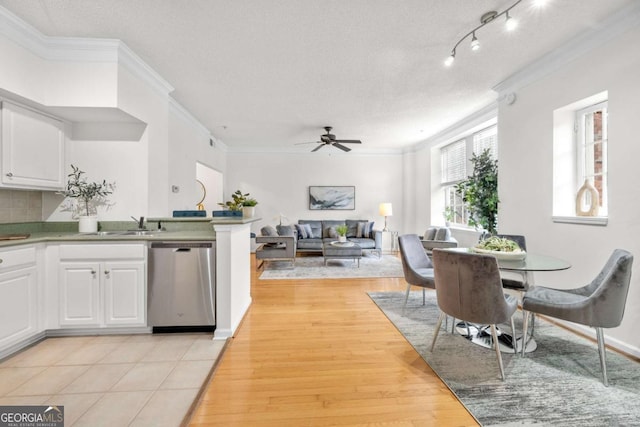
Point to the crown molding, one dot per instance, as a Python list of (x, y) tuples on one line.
[(79, 50), (181, 112), (484, 117), (625, 19)]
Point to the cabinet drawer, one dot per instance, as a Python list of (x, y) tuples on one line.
[(17, 258), (102, 251)]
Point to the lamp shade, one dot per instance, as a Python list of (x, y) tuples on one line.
[(386, 209)]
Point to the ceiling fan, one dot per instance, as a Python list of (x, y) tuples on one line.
[(330, 139)]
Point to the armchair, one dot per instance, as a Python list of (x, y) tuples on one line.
[(275, 247), (438, 237), (599, 304)]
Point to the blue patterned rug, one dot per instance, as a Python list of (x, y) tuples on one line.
[(557, 384)]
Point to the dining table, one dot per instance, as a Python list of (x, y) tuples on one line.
[(525, 267)]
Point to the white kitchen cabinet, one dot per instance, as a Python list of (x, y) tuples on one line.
[(18, 295), (79, 294), (33, 149), (102, 285)]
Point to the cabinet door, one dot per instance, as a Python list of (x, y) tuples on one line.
[(124, 293), (18, 306), (32, 149), (79, 288)]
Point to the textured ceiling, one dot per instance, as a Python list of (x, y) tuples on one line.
[(267, 74)]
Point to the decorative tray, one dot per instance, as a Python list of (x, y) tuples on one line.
[(343, 244), (506, 256), (14, 236)]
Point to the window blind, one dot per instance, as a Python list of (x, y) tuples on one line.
[(454, 159)]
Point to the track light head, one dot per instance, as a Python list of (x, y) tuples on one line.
[(475, 44), (449, 61), (510, 24)]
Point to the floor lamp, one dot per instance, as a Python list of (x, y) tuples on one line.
[(386, 210)]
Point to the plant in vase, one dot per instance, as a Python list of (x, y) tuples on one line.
[(88, 195), (342, 232), (239, 201)]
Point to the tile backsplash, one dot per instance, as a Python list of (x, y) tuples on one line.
[(20, 206)]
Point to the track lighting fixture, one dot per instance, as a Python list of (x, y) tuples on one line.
[(510, 24)]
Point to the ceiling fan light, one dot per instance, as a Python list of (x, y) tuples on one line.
[(475, 44), (540, 3), (449, 61), (510, 24)]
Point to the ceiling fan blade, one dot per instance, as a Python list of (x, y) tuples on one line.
[(348, 141), (317, 148), (342, 147), (304, 143)]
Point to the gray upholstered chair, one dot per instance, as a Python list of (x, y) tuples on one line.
[(515, 284), (416, 265), (469, 288), (599, 304), (274, 247)]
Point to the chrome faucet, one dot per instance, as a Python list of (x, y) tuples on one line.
[(140, 222)]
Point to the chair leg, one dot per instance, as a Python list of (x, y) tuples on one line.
[(423, 298), (514, 340), (494, 334), (406, 298), (435, 334), (525, 321), (603, 356)]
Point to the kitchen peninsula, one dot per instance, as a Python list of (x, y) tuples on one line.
[(35, 301)]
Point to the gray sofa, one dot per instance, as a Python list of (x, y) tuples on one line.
[(324, 231)]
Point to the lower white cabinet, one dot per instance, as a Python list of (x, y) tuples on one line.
[(107, 291), (18, 295)]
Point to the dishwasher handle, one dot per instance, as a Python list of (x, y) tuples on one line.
[(182, 246)]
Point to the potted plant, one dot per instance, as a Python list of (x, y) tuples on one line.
[(249, 207), (88, 195), (342, 232), (239, 201), (479, 192)]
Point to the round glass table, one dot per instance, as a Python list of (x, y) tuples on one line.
[(480, 334)]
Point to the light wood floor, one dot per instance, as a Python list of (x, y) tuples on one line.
[(320, 352)]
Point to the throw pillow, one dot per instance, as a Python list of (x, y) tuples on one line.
[(268, 230), (443, 233), (430, 234), (308, 230), (284, 230), (364, 229), (332, 233), (304, 231)]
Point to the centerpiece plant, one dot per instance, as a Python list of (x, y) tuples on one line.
[(241, 202), (342, 232), (88, 196), (479, 192)]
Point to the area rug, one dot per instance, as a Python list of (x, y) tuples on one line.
[(557, 384), (312, 267)]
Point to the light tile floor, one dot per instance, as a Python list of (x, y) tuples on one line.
[(114, 380)]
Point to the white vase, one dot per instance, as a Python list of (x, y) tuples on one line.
[(248, 211), (88, 223), (342, 239)]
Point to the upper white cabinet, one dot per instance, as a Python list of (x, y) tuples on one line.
[(33, 147)]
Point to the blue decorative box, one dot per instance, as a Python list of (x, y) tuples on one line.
[(178, 214), (227, 214)]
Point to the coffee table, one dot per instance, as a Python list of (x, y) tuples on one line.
[(341, 250)]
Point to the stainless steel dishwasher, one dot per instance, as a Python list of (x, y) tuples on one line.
[(182, 286)]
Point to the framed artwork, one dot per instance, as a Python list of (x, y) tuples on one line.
[(332, 198)]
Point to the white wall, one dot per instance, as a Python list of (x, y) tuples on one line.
[(280, 183), (526, 171)]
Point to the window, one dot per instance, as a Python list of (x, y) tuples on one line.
[(591, 147), (580, 144), (456, 166)]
